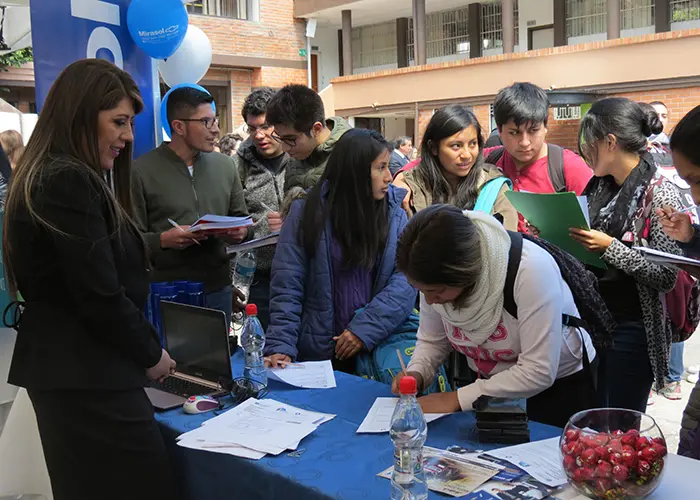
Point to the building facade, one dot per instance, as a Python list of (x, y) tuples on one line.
[(255, 43), (389, 65)]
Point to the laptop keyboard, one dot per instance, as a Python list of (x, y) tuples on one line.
[(181, 387)]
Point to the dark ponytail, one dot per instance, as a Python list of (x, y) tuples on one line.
[(653, 125)]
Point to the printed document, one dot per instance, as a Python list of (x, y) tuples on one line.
[(540, 459), (307, 375), (378, 418)]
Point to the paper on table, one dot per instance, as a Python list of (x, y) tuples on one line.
[(553, 215), (270, 239), (217, 447), (540, 459), (666, 258), (263, 425), (378, 418), (307, 375)]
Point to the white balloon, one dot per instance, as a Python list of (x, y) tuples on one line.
[(190, 62)]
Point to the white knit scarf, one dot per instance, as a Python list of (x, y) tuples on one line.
[(481, 315)]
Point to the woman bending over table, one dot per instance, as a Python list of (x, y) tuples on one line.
[(458, 261), (336, 255)]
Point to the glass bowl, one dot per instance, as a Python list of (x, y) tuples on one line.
[(613, 454)]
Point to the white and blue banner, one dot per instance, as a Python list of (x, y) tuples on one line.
[(64, 31)]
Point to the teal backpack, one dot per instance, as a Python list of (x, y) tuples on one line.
[(489, 193), (382, 364)]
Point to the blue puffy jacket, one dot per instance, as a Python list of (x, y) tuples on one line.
[(301, 292)]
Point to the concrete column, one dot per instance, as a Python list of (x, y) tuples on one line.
[(474, 30), (419, 32), (662, 14), (508, 26), (560, 35), (613, 19), (347, 41)]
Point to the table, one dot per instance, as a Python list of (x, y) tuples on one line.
[(336, 463)]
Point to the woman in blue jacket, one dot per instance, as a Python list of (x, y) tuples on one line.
[(336, 255)]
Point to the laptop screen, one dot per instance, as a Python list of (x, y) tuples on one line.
[(197, 339)]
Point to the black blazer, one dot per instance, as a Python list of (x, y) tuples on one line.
[(83, 326)]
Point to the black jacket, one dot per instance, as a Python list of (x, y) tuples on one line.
[(83, 326)]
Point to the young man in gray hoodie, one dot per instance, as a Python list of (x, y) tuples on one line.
[(262, 166)]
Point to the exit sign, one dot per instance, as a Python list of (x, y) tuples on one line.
[(302, 52)]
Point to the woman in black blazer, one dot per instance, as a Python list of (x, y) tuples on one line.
[(84, 348)]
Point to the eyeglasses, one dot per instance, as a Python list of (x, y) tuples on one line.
[(289, 141), (264, 128), (207, 122)]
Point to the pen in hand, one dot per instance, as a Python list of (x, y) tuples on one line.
[(176, 225)]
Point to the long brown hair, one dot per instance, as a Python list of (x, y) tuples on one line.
[(67, 130), (12, 144)]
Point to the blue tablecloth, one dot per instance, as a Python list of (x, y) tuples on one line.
[(336, 462)]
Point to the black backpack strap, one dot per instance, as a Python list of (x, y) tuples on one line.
[(494, 155), (514, 256), (555, 166)]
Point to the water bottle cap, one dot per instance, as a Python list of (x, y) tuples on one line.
[(408, 385), (251, 310)]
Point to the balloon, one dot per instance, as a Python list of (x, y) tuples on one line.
[(191, 61), (158, 27), (164, 104)]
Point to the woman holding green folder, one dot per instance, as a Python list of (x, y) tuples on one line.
[(622, 197)]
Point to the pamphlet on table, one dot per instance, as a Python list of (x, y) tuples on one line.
[(450, 473), (378, 418), (255, 428), (540, 459), (307, 374)]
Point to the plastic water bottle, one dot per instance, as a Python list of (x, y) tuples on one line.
[(244, 270), (253, 342), (408, 432)]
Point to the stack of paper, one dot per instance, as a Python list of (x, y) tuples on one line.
[(307, 375), (255, 428), (270, 239), (215, 223), (659, 257), (378, 418)]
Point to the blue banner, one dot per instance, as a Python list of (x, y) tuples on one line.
[(64, 31)]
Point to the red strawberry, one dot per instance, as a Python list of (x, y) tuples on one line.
[(630, 438), (616, 458), (642, 442), (648, 454), (569, 463), (614, 446), (573, 448), (621, 473), (579, 476), (659, 449), (629, 458), (660, 441), (589, 441), (603, 469), (626, 447), (603, 453), (617, 432), (643, 468), (572, 435), (602, 486), (589, 457), (601, 439)]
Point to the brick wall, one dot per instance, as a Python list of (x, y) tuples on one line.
[(275, 77), (562, 132), (424, 116), (240, 88), (483, 115), (678, 101)]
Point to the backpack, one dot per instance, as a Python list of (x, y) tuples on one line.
[(382, 364), (555, 165), (489, 193), (595, 318), (682, 304)]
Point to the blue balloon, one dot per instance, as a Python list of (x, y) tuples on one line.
[(164, 104), (158, 27)]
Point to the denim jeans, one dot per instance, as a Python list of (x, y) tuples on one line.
[(221, 300), (675, 363), (624, 373)]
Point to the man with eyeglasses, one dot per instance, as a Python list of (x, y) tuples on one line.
[(262, 167), (297, 114), (181, 181)]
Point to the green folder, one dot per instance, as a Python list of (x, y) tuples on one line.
[(553, 215)]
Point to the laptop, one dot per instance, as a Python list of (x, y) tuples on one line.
[(197, 339)]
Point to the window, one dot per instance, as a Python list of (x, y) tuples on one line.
[(586, 17), (685, 10), (234, 9), (636, 14), (374, 45), (492, 25), (446, 34)]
